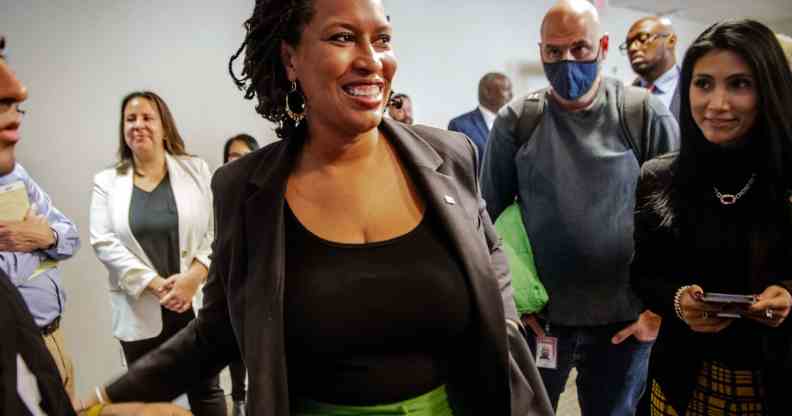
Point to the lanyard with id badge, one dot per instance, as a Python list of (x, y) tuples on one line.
[(547, 350)]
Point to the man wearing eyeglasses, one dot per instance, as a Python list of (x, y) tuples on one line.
[(650, 47), (573, 172)]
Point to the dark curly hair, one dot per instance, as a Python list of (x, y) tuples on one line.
[(174, 144), (263, 74)]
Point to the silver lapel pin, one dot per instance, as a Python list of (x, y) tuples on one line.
[(449, 200)]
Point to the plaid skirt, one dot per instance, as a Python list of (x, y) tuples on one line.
[(719, 391)]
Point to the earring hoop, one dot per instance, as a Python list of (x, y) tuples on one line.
[(296, 114)]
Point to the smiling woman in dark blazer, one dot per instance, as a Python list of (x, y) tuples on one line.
[(353, 259)]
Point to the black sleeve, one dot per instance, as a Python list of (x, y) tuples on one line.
[(500, 263), (654, 274)]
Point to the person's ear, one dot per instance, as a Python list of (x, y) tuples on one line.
[(672, 40), (289, 60), (604, 44)]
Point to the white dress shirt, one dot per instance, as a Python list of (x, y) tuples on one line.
[(665, 85), (489, 117)]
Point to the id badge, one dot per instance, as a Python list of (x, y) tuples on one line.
[(547, 352)]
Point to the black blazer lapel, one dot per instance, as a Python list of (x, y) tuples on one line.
[(458, 209), (261, 283)]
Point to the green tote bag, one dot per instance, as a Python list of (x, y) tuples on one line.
[(530, 295)]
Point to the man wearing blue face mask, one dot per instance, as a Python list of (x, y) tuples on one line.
[(571, 155)]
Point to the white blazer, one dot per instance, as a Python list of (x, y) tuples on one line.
[(136, 312)]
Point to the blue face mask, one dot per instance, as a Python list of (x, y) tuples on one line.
[(572, 79)]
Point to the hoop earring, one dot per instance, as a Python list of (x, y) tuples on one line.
[(298, 97)]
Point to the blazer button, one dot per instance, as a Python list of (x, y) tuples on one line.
[(184, 253)]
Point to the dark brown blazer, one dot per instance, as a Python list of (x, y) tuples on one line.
[(243, 299)]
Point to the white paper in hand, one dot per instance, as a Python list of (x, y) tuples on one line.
[(14, 201)]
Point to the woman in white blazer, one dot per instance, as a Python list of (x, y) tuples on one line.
[(152, 227)]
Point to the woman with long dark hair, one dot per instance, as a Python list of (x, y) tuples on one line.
[(717, 218)]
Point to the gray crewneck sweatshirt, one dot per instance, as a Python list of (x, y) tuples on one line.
[(576, 180)]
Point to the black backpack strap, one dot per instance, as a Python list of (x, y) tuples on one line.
[(531, 115), (634, 113)]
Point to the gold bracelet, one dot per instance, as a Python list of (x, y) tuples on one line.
[(95, 410)]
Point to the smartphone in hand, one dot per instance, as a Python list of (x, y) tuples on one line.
[(731, 305)]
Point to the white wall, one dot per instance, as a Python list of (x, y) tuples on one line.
[(782, 26), (79, 58)]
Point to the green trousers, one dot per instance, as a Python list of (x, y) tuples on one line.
[(434, 403)]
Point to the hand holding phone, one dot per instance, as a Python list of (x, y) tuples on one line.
[(731, 305)]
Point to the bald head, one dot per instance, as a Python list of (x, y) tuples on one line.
[(572, 48), (567, 16), (571, 32), (651, 47), (660, 23)]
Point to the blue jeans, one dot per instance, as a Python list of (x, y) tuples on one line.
[(611, 378)]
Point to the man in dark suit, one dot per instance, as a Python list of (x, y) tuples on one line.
[(494, 91), (650, 47)]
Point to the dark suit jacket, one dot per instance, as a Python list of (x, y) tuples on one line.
[(675, 100), (246, 284), (472, 124), (21, 337)]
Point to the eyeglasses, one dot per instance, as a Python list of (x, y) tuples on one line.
[(643, 39)]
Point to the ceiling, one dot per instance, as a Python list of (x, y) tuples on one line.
[(709, 11)]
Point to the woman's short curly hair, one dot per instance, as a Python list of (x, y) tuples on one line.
[(263, 73)]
